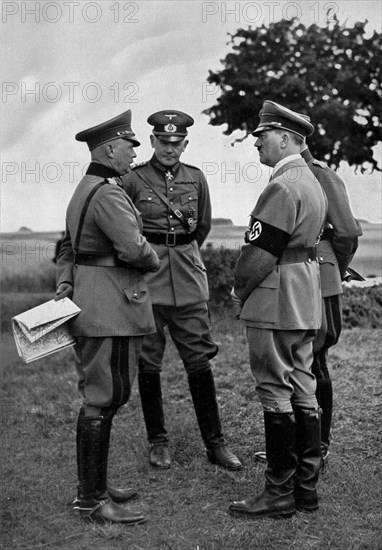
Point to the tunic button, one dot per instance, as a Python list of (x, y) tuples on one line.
[(309, 260), (171, 216), (321, 259), (172, 229), (149, 199), (135, 294), (171, 189), (190, 198)]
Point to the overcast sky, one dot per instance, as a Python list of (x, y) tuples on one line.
[(69, 65)]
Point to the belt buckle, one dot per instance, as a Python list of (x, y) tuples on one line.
[(172, 241)]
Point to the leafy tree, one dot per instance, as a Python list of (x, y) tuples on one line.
[(333, 74)]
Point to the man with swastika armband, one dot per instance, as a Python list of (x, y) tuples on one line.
[(174, 201), (101, 264), (337, 246), (277, 294)]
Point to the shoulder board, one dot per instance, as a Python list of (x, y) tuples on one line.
[(191, 166), (319, 163), (138, 165), (112, 181)]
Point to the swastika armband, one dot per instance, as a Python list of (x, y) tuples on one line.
[(268, 237)]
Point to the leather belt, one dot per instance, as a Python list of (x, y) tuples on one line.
[(298, 255), (98, 260), (169, 239)]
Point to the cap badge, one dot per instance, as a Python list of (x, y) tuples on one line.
[(255, 231), (171, 128), (170, 116), (123, 133)]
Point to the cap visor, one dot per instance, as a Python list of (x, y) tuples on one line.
[(169, 138), (262, 128), (134, 141)]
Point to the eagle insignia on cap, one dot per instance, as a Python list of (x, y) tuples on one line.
[(165, 128), (170, 128)]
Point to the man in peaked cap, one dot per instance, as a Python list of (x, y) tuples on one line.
[(174, 200), (101, 265), (337, 246), (277, 290)]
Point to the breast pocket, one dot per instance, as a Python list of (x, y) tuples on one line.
[(149, 205), (189, 205)]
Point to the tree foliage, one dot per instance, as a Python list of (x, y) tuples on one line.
[(333, 74)]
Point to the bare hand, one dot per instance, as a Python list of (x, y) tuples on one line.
[(64, 290), (237, 304)]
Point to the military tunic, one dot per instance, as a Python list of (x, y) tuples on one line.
[(179, 290), (284, 310), (335, 252), (181, 279), (114, 301)]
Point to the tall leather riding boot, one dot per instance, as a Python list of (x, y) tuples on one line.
[(324, 394), (118, 495), (277, 499), (93, 435), (150, 391), (308, 444), (203, 392)]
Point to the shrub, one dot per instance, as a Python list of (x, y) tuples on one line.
[(220, 265), (362, 307)]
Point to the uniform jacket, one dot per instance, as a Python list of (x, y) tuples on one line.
[(114, 301), (289, 297), (182, 278), (336, 253)]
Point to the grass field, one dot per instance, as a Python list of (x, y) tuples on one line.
[(186, 505)]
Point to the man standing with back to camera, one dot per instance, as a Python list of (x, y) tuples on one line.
[(336, 249), (277, 290), (174, 200), (101, 264)]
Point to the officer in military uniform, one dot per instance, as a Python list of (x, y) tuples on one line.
[(101, 264), (174, 201), (277, 287), (336, 249)]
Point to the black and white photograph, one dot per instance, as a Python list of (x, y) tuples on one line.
[(191, 271)]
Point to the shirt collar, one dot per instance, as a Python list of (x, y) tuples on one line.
[(164, 169), (285, 160)]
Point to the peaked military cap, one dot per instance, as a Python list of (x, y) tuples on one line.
[(170, 125), (274, 116), (118, 127)]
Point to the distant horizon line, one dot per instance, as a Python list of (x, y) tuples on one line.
[(214, 221)]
